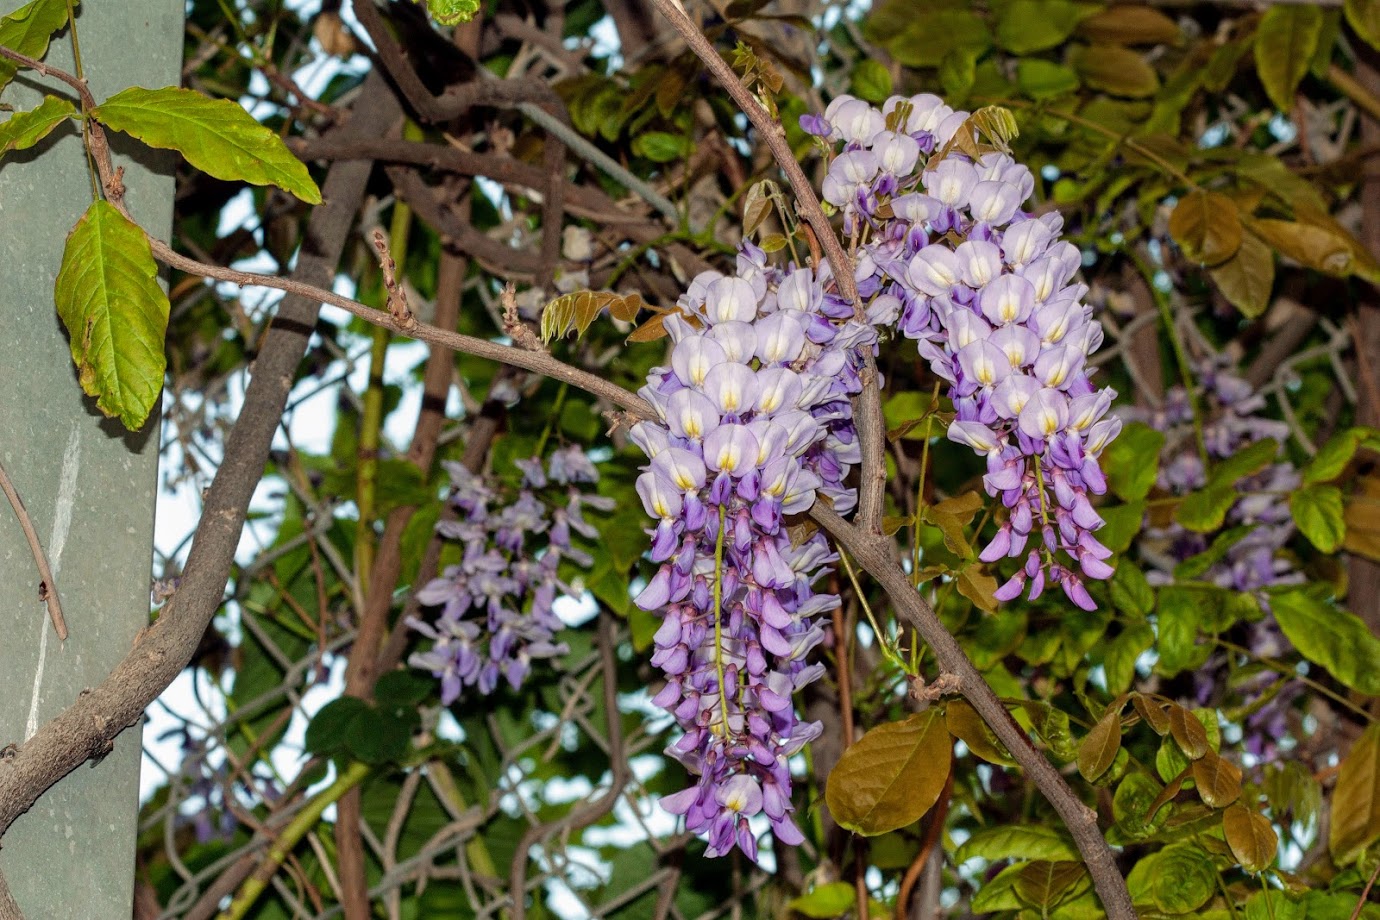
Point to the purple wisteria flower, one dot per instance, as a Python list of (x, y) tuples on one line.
[(496, 606), (988, 291), (754, 424)]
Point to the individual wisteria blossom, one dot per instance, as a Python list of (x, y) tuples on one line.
[(988, 292), (1231, 422), (754, 425), (497, 605)]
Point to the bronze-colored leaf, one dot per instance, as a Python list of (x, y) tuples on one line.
[(1152, 713), (1206, 226), (1356, 799), (574, 312), (1099, 748), (891, 776), (1218, 779), (1188, 732), (651, 330), (1252, 839), (1044, 883), (1116, 69), (978, 587), (1129, 25), (757, 205), (1166, 795), (962, 506), (627, 307), (1313, 246), (1248, 277), (967, 726)]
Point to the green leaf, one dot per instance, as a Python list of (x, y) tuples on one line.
[(891, 776), (1045, 883), (1317, 510), (1252, 839), (1246, 462), (1206, 509), (1356, 799), (1332, 458), (108, 297), (377, 737), (871, 80), (1040, 79), (452, 12), (928, 35), (661, 146), (1131, 805), (1131, 592), (825, 901), (1115, 69), (28, 30), (1364, 17), (1179, 619), (1120, 655), (1120, 525), (1206, 226), (1178, 879), (327, 730), (1284, 43), (1332, 637), (1024, 26), (403, 689), (1247, 278), (24, 129), (1097, 751), (1132, 461), (1035, 841), (216, 136)]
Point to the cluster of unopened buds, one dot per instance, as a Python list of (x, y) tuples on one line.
[(497, 605), (988, 292)]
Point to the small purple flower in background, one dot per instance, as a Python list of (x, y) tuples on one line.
[(497, 606)]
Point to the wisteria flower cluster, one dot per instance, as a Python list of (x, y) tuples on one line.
[(1232, 422), (988, 292), (754, 424), (497, 606)]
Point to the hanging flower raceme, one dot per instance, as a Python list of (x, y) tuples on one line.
[(497, 606), (753, 423), (988, 291)]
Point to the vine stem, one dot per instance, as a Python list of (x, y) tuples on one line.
[(47, 590), (867, 406)]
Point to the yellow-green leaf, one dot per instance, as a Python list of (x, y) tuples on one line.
[(891, 776), (1364, 17), (1332, 637), (575, 311), (27, 30), (1005, 841), (1206, 509), (1116, 69), (967, 726), (24, 129), (1284, 44), (1252, 839), (1248, 277), (108, 297), (216, 136), (1097, 751), (1356, 799), (1207, 227), (825, 901), (1218, 780), (1317, 510)]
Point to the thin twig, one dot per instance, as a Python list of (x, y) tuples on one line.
[(47, 587)]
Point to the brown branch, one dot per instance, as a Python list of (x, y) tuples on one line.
[(47, 586), (874, 553), (867, 406), (934, 832), (9, 910)]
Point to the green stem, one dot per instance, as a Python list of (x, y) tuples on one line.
[(883, 639), (551, 419), (291, 835), (85, 125), (371, 422), (718, 619)]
